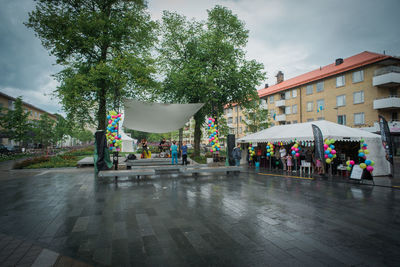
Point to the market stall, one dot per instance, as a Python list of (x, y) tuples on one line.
[(302, 132)]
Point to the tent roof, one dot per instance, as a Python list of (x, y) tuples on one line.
[(157, 117), (303, 132)]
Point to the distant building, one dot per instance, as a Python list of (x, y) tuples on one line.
[(7, 102)]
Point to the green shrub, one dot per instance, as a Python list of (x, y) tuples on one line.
[(24, 164), (6, 157), (199, 159), (87, 151)]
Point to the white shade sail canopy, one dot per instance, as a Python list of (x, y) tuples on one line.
[(157, 117), (303, 132)]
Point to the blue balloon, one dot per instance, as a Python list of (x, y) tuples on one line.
[(217, 148), (293, 152), (330, 156), (108, 117), (332, 146), (327, 152), (368, 162), (361, 154), (365, 144), (268, 154), (119, 136), (267, 147), (299, 148)]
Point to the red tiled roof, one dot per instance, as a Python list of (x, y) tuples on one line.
[(356, 61)]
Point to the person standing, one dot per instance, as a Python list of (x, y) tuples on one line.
[(282, 152), (184, 153), (237, 155), (174, 153), (289, 162)]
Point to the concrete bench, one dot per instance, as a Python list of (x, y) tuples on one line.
[(226, 169), (126, 173), (149, 162)]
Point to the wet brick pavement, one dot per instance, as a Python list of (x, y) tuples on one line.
[(246, 220)]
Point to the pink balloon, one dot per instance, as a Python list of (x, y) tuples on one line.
[(326, 156), (212, 120), (325, 146), (212, 138), (209, 124), (297, 155), (216, 141), (296, 149), (364, 157), (110, 121), (333, 151), (352, 162), (211, 150), (119, 115), (370, 168)]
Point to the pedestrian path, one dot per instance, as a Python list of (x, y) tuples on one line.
[(20, 253)]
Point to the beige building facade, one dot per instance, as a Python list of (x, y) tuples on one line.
[(7, 102)]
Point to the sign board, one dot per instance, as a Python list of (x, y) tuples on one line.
[(356, 172)]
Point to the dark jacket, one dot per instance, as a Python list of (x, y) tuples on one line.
[(236, 153)]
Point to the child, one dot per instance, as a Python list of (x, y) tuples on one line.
[(318, 165), (289, 162)]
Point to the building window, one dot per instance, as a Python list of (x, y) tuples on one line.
[(230, 120), (341, 100), (35, 114), (320, 118), (310, 106), (340, 81), (310, 120), (240, 118), (320, 86), (294, 122), (294, 109), (294, 93), (359, 118), (393, 92), (288, 122), (271, 99), (358, 76), (395, 116), (309, 89), (240, 129), (282, 96), (287, 110), (341, 119), (231, 130), (10, 104), (263, 102), (320, 104), (358, 97), (287, 95)]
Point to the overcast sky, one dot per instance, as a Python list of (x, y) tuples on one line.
[(288, 35)]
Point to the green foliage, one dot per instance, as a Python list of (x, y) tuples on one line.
[(199, 159), (82, 135), (15, 123), (62, 129), (6, 157), (223, 129), (44, 130), (256, 117), (205, 62), (104, 47), (87, 151), (24, 164)]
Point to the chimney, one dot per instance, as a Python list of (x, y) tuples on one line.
[(338, 61), (266, 85), (279, 77)]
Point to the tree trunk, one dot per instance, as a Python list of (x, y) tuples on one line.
[(198, 118), (102, 113)]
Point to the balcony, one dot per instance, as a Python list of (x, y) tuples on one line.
[(280, 103), (387, 103), (387, 77), (263, 106), (280, 117)]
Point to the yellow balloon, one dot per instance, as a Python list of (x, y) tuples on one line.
[(363, 165), (366, 151), (328, 161)]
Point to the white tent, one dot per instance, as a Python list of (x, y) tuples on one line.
[(303, 132), (127, 141), (157, 117)]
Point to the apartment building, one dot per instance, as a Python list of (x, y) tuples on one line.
[(351, 91), (7, 102), (235, 119)]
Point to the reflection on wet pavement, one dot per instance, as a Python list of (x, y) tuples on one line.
[(244, 220)]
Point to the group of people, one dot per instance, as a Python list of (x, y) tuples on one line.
[(163, 147), (281, 155)]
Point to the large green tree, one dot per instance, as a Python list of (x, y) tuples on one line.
[(256, 117), (62, 129), (44, 131), (15, 123), (205, 62), (104, 48)]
